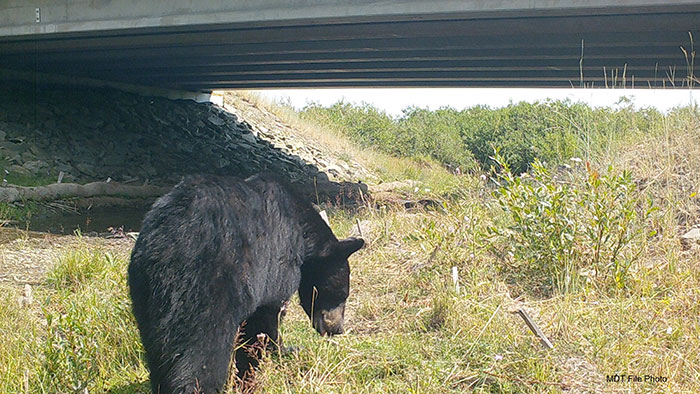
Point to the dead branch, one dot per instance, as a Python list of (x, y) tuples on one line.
[(59, 191)]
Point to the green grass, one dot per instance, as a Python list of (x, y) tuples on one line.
[(79, 333), (19, 212), (30, 180)]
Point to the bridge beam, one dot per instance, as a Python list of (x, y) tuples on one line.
[(211, 44)]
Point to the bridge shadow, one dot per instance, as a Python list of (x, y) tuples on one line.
[(91, 134)]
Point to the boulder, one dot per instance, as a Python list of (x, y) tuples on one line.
[(36, 166), (18, 170), (250, 138)]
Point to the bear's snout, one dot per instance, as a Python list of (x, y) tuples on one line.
[(330, 322)]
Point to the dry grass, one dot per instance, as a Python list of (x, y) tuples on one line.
[(409, 331), (381, 167), (667, 167)]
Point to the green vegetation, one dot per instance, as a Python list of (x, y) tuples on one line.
[(19, 212), (561, 229), (550, 131), (591, 251), (81, 333)]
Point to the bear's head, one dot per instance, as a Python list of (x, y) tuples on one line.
[(325, 285)]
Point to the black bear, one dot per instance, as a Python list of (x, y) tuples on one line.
[(216, 252)]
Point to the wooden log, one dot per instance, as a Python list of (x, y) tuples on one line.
[(59, 191)]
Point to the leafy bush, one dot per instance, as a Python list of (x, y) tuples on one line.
[(551, 131), (418, 134), (561, 230)]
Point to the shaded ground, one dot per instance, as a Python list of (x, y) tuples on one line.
[(89, 134), (96, 221)]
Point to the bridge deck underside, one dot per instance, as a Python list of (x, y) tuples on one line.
[(614, 50)]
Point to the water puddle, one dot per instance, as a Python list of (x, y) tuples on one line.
[(97, 221)]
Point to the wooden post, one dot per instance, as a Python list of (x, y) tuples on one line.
[(534, 328)]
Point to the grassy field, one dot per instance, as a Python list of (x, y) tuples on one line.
[(590, 251)]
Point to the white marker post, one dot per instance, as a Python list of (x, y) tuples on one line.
[(455, 279)]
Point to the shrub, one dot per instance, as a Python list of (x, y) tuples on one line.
[(551, 131), (562, 230)]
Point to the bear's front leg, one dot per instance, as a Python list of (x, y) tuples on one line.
[(251, 344)]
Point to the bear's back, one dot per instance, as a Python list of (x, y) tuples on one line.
[(241, 239)]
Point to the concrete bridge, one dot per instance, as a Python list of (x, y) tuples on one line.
[(212, 44)]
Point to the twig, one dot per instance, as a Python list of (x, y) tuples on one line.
[(26, 381), (455, 279), (433, 253), (362, 197)]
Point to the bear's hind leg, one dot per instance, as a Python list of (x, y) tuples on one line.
[(203, 368)]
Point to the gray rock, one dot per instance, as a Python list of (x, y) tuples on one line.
[(690, 238), (28, 156), (119, 134), (36, 166), (49, 124), (112, 160), (91, 123), (221, 163), (14, 157), (250, 138), (87, 169), (362, 228), (18, 170), (148, 169), (215, 120)]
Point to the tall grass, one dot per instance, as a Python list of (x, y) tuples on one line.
[(79, 335)]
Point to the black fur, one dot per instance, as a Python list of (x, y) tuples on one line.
[(217, 251)]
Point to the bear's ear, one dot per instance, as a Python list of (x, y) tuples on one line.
[(348, 246)]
